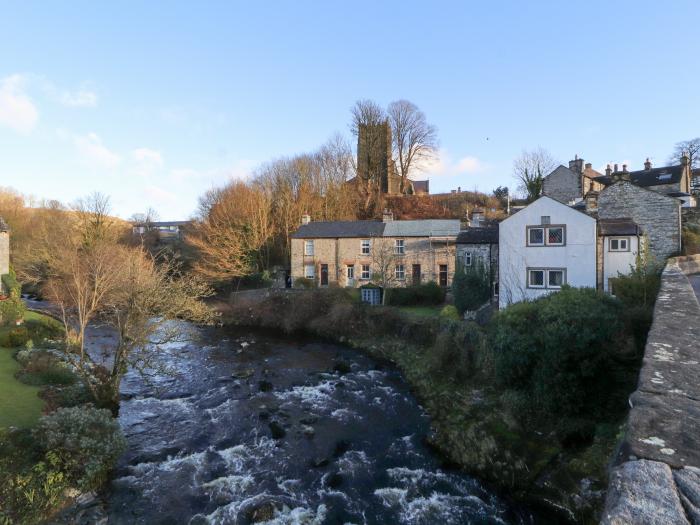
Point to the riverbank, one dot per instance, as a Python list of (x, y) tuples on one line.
[(476, 425)]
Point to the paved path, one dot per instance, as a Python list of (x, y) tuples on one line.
[(695, 283)]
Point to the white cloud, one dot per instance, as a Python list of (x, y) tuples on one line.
[(147, 155), (444, 166), (83, 98), (159, 195), (94, 153), (17, 111)]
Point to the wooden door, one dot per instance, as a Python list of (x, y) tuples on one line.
[(324, 275), (416, 274)]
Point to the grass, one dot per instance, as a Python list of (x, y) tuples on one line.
[(20, 405), (422, 311)]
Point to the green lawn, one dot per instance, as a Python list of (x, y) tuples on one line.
[(422, 311), (20, 405)]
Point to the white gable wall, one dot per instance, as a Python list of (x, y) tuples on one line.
[(616, 263), (577, 256)]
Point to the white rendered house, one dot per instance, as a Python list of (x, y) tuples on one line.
[(544, 246)]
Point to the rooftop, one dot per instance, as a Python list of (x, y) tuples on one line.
[(487, 235), (338, 229), (622, 226)]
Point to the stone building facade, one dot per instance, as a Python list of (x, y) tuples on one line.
[(658, 215), (4, 247), (479, 245), (354, 253), (571, 184)]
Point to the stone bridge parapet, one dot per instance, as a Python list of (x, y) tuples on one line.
[(656, 474)]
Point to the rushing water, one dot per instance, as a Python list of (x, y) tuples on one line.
[(313, 431)]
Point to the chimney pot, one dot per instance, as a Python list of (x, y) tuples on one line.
[(615, 169), (647, 164), (387, 216), (589, 165), (624, 168), (608, 170)]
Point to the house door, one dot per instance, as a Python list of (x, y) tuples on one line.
[(416, 274), (351, 275), (443, 275), (324, 275)]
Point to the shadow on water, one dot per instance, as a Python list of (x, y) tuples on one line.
[(255, 427)]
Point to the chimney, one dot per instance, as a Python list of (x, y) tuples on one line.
[(615, 170), (459, 189), (387, 216), (576, 165), (608, 170), (477, 217), (589, 166), (306, 218), (647, 165), (684, 159), (592, 201)]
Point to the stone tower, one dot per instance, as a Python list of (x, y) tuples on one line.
[(374, 157)]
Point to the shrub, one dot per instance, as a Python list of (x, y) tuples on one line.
[(303, 282), (18, 337), (453, 354), (87, 440), (428, 294), (471, 286), (10, 283), (561, 349), (42, 368), (450, 312), (12, 310)]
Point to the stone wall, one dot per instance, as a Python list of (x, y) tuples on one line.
[(4, 253), (656, 474), (562, 184), (657, 214)]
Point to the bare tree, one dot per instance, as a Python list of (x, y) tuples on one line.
[(530, 169), (384, 261), (231, 239), (414, 140), (691, 148), (366, 112)]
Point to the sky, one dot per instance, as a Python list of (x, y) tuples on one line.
[(154, 103)]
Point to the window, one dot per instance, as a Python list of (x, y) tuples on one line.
[(546, 236), (308, 247), (399, 247), (555, 278), (399, 272), (364, 246), (309, 271), (545, 219), (366, 273), (620, 244), (351, 272), (443, 275), (467, 259), (551, 278), (555, 236), (535, 278)]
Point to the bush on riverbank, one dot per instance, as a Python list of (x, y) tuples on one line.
[(428, 294), (71, 451)]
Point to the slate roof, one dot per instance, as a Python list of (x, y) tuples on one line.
[(623, 226), (652, 177), (423, 228), (478, 236), (339, 229)]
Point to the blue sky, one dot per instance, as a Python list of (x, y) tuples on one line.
[(154, 103)]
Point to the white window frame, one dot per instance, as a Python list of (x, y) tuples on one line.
[(365, 246), (467, 259), (530, 271), (350, 272), (545, 235), (365, 275), (399, 246), (545, 278), (530, 229), (400, 272), (309, 274), (309, 247), (619, 240)]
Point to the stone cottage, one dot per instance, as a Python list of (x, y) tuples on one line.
[(4, 250), (479, 245), (570, 184), (353, 253)]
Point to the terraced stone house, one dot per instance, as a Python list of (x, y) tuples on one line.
[(393, 253)]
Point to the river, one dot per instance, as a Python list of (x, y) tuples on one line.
[(246, 425)]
